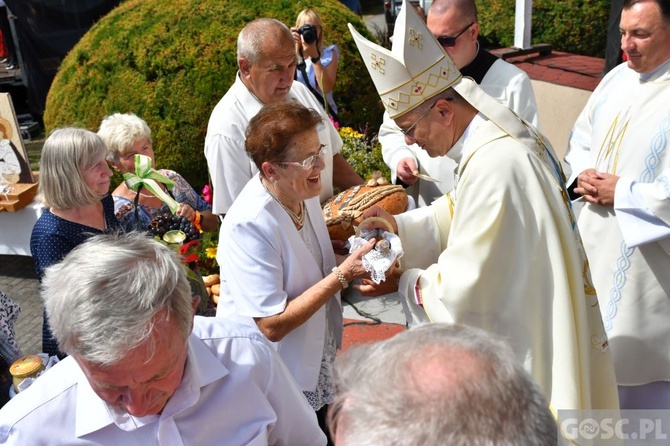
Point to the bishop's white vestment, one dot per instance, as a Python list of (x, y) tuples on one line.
[(507, 258)]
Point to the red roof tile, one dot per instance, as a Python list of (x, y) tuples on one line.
[(557, 67)]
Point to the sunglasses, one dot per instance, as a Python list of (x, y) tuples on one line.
[(308, 162), (450, 41)]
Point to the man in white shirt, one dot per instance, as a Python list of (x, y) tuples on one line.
[(619, 153), (454, 24), (142, 371), (267, 61)]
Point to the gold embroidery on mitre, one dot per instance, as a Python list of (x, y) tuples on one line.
[(450, 69), (378, 64), (402, 99), (415, 37), (418, 88), (401, 96)]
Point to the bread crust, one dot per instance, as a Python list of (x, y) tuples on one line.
[(345, 210)]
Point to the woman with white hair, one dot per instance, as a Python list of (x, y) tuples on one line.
[(74, 187), (125, 136)]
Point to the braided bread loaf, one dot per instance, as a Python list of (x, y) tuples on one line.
[(345, 210)]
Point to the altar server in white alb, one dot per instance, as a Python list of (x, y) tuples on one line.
[(619, 153), (454, 25), (501, 252)]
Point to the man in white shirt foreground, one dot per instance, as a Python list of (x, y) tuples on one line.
[(454, 25), (142, 371), (267, 61)]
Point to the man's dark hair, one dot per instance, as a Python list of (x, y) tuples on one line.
[(663, 4), (467, 8)]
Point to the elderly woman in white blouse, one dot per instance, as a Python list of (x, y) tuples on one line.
[(277, 263)]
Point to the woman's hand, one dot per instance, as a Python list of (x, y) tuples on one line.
[(186, 211), (309, 50), (352, 267)]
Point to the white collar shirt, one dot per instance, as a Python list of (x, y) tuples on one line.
[(235, 391), (229, 165)]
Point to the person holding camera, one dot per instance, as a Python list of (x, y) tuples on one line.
[(317, 68)]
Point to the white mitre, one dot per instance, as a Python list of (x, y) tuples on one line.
[(416, 68)]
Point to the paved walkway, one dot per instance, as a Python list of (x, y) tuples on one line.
[(19, 282)]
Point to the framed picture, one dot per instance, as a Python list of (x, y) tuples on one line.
[(14, 165)]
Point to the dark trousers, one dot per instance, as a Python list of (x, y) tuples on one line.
[(321, 418)]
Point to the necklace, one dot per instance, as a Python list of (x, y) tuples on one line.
[(141, 194), (299, 218)]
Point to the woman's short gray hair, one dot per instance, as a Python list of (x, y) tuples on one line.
[(104, 298), (120, 131), (66, 153)]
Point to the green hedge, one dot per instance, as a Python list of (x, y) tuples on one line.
[(171, 62), (574, 26)]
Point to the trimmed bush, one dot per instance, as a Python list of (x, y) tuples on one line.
[(171, 62), (574, 26)]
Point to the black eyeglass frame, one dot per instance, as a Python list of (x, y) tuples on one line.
[(450, 41), (410, 130)]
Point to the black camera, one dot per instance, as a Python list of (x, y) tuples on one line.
[(308, 32)]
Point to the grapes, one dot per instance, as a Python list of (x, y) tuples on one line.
[(162, 223)]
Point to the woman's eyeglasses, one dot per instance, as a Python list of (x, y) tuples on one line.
[(450, 41), (309, 162)]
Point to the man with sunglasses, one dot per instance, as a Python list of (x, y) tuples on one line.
[(454, 24), (267, 61), (501, 251)]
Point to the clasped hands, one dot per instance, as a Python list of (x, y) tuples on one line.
[(597, 187)]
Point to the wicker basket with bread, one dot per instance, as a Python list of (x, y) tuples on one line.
[(345, 210)]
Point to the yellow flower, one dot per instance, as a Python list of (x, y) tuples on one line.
[(211, 252), (349, 132)]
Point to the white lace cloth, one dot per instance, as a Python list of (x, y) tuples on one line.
[(379, 259)]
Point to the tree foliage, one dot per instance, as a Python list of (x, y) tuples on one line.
[(171, 62), (574, 26)]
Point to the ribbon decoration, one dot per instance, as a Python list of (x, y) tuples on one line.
[(149, 177)]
